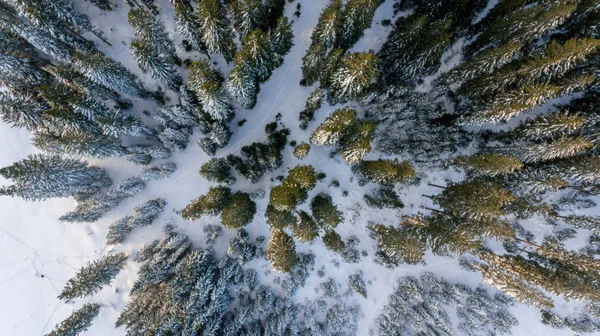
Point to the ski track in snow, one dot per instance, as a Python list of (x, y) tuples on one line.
[(35, 246)]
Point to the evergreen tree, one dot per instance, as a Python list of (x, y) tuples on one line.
[(247, 16), (385, 171), (489, 164), (106, 72), (557, 149), (397, 245), (160, 67), (159, 171), (353, 78), (91, 278), (305, 230), (333, 241), (357, 17), (549, 126), (206, 82), (188, 27), (313, 103), (216, 33), (485, 62), (20, 73), (279, 219), (357, 143), (242, 85), (41, 176), (357, 283), (78, 144), (281, 39), (281, 251), (385, 197), (239, 211), (149, 29), (325, 212), (21, 110), (331, 64), (333, 128), (302, 150), (294, 188), (257, 54), (79, 321), (217, 138), (312, 63), (210, 204), (329, 27), (217, 170)]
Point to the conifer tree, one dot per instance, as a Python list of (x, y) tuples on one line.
[(257, 53), (325, 213), (294, 189), (160, 67), (474, 200), (357, 143), (104, 71), (216, 33), (550, 126), (331, 64), (247, 16), (313, 103), (242, 86), (41, 176), (149, 29), (333, 241), (305, 230), (312, 63), (21, 110), (485, 62), (357, 17), (158, 172), (217, 170), (279, 219), (334, 126), (302, 150), (20, 73), (397, 245), (83, 144), (281, 251), (354, 77), (385, 197), (489, 164), (91, 278), (206, 82), (239, 211), (79, 321), (188, 27), (385, 171), (281, 39), (329, 27), (210, 204)]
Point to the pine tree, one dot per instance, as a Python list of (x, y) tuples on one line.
[(357, 72), (294, 189), (91, 278), (397, 245), (550, 126), (474, 200), (485, 62), (104, 71), (160, 67), (329, 27), (334, 126), (206, 82), (21, 110), (356, 282), (79, 321), (257, 54), (357, 143), (325, 213), (158, 172), (242, 86), (78, 144), (302, 150), (281, 251), (385, 197), (217, 170), (149, 29), (20, 73), (357, 17), (333, 241), (217, 138), (216, 33), (489, 164), (312, 63), (188, 27), (305, 230), (279, 219), (385, 171), (41, 176), (239, 211), (210, 204), (313, 103), (247, 16), (281, 39)]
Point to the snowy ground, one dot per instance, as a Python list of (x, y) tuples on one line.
[(38, 253)]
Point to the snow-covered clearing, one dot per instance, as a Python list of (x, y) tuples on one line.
[(38, 253)]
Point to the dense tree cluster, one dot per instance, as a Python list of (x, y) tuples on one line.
[(236, 209)]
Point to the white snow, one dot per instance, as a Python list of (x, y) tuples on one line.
[(38, 253)]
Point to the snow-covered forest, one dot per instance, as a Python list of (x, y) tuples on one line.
[(298, 167)]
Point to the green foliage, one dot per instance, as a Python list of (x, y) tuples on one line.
[(313, 103), (385, 171), (397, 245), (353, 78), (210, 204), (281, 251), (305, 230), (384, 197), (334, 126), (91, 278), (325, 212), (302, 150), (489, 164), (217, 170), (279, 219), (214, 27), (333, 241), (79, 321), (239, 211)]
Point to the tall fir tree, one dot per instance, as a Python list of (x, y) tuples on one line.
[(215, 29), (281, 251), (79, 321), (91, 278), (206, 82)]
